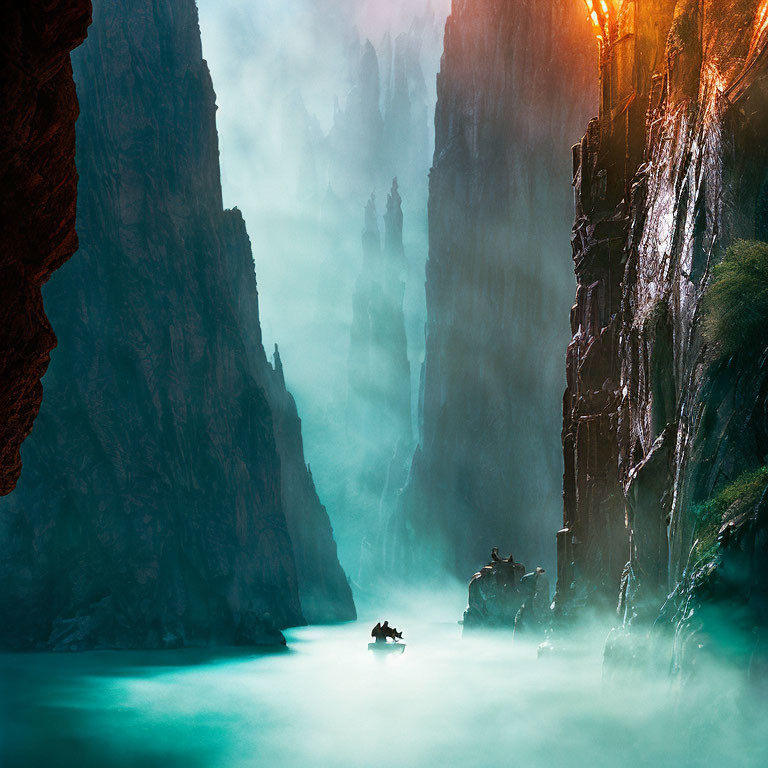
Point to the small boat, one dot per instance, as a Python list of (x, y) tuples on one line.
[(393, 648)]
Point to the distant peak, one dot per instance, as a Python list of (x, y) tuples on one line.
[(371, 224), (394, 198), (278, 364)]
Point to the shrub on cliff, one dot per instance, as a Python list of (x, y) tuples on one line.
[(735, 307), (728, 503)]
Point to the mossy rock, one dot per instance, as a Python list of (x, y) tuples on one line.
[(731, 502), (735, 306)]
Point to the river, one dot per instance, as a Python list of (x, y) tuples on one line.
[(327, 701)]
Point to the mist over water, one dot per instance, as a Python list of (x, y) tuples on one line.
[(328, 701)]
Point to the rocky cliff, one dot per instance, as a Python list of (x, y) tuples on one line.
[(515, 82), (166, 480), (665, 415), (38, 192), (324, 592)]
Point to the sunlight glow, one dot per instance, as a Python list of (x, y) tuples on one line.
[(761, 24), (601, 14)]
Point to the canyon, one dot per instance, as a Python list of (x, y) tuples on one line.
[(165, 499), (319, 141)]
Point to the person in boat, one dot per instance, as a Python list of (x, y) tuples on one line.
[(378, 634), (391, 632), (382, 632)]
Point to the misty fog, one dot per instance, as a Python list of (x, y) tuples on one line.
[(305, 141), (328, 701)]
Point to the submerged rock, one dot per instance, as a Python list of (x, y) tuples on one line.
[(503, 596)]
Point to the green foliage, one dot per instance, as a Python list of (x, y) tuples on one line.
[(735, 307), (729, 502)]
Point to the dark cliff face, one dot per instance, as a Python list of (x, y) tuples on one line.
[(515, 82), (661, 424), (38, 192), (157, 509), (593, 545)]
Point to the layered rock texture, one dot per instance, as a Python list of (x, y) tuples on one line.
[(166, 500), (38, 192), (662, 417), (515, 82)]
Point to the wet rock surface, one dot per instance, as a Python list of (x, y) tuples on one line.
[(668, 178), (167, 501), (502, 595), (38, 192)]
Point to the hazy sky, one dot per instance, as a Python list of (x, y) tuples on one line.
[(262, 55)]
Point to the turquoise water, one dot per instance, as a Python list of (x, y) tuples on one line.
[(328, 701)]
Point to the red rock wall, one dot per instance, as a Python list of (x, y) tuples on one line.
[(38, 192)]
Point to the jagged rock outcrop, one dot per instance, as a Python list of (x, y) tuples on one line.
[(38, 193), (409, 102), (379, 372), (658, 420), (503, 596), (495, 596), (324, 592), (593, 544), (514, 83), (166, 477)]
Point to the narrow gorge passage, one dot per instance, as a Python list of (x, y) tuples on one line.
[(384, 383)]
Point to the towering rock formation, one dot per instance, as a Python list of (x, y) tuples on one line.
[(38, 191), (409, 97), (379, 395), (663, 414), (166, 479), (409, 105), (356, 139), (515, 81)]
